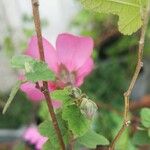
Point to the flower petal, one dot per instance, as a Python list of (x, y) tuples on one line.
[(41, 142), (49, 52), (31, 134), (73, 51), (83, 71), (32, 93)]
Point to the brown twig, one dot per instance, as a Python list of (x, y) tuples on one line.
[(44, 89), (135, 76)]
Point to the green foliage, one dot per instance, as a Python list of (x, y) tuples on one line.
[(39, 71), (49, 145), (22, 108), (109, 85), (124, 142), (12, 95), (149, 132), (8, 45), (145, 117), (141, 138), (129, 12), (35, 70), (62, 95), (19, 61), (43, 111), (91, 139), (77, 122), (46, 129)]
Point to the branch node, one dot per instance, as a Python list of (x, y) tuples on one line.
[(141, 41), (44, 90), (127, 123), (141, 64), (126, 94)]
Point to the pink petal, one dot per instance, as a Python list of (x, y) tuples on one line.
[(73, 51), (32, 93), (49, 52), (31, 134), (52, 87), (41, 142), (83, 71)]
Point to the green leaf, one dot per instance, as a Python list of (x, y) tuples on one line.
[(141, 138), (19, 61), (91, 139), (12, 95), (124, 142), (129, 12), (48, 145), (149, 132), (43, 111), (38, 71), (46, 129), (77, 122), (35, 70), (145, 117), (61, 94)]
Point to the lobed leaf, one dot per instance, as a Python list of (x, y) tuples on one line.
[(91, 139), (39, 71), (77, 122), (46, 129), (61, 94), (35, 70), (19, 61), (129, 12)]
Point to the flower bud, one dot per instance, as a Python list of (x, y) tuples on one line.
[(76, 92), (88, 107)]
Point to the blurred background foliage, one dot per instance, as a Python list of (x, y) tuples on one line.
[(115, 58)]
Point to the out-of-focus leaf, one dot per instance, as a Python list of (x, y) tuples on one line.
[(141, 138), (91, 139), (12, 95), (19, 61), (145, 117)]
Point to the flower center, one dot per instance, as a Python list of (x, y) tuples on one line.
[(66, 77)]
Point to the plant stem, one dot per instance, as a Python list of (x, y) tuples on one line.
[(44, 89), (134, 78)]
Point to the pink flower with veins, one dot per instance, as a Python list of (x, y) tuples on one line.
[(32, 136), (70, 61)]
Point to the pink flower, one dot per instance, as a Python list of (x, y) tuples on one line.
[(71, 62), (32, 136)]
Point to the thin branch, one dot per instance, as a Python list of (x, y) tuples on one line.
[(44, 89), (135, 76)]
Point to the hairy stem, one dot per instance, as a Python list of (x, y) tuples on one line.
[(44, 89), (134, 78)]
